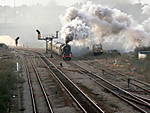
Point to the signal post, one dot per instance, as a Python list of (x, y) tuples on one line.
[(47, 39)]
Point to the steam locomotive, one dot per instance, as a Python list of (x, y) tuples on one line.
[(97, 49), (62, 49)]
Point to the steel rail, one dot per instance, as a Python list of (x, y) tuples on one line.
[(123, 91), (42, 88), (144, 83), (71, 87), (140, 87), (143, 98), (31, 89), (76, 101)]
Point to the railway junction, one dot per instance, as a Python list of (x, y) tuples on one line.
[(52, 85), (97, 60)]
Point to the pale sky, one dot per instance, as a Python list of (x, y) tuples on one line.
[(33, 2), (44, 2)]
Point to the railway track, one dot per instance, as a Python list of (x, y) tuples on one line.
[(82, 100), (138, 102), (33, 90), (60, 100), (136, 87), (140, 86)]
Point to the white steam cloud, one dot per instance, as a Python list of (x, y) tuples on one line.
[(146, 9), (146, 25), (95, 24)]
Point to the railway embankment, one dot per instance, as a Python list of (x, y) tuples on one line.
[(8, 78)]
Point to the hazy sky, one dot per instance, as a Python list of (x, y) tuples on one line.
[(44, 2), (32, 2)]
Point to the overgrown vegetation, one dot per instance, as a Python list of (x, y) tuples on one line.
[(7, 82), (142, 67), (128, 60)]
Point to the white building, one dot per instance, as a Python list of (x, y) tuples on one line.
[(143, 54)]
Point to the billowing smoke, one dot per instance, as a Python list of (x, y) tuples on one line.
[(76, 26), (146, 25), (95, 24), (146, 9)]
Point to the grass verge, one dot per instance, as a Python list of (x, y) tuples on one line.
[(7, 82)]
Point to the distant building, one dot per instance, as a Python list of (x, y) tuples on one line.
[(143, 54)]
